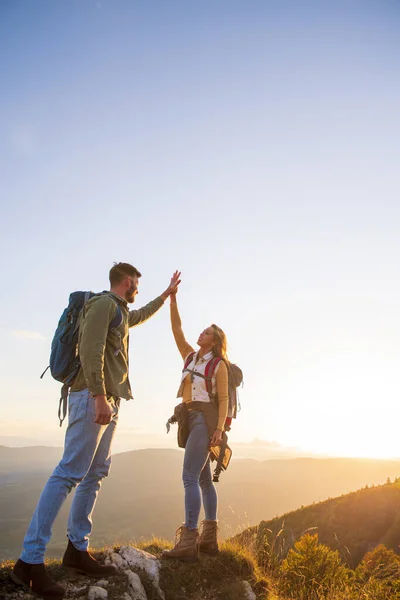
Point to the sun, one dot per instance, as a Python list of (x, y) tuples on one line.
[(345, 404)]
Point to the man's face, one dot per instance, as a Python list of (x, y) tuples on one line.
[(133, 283)]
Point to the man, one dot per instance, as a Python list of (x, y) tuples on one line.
[(92, 418)]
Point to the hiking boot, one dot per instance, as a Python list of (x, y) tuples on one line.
[(81, 561), (36, 579), (208, 542), (186, 545)]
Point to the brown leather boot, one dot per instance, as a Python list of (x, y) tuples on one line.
[(81, 561), (208, 542), (36, 579), (186, 545)]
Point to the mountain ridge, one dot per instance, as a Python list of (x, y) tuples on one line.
[(353, 523), (143, 494), (241, 572)]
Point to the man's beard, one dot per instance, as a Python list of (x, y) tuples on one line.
[(130, 294)]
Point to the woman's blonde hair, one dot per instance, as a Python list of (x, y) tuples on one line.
[(220, 348)]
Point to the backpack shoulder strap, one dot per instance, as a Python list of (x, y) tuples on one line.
[(116, 321), (209, 372), (188, 360)]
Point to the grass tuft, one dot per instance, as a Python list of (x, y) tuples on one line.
[(211, 578)]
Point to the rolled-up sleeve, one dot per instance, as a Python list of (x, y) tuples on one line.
[(221, 381), (136, 317), (176, 325)]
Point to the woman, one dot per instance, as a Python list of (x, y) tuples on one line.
[(206, 427)]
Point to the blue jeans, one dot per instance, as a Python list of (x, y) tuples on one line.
[(85, 462), (196, 474)]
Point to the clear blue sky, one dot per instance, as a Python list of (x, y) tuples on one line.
[(253, 145)]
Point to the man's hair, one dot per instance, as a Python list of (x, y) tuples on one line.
[(121, 270)]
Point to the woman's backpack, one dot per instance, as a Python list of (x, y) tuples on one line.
[(235, 379)]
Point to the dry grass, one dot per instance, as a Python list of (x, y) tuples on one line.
[(211, 578)]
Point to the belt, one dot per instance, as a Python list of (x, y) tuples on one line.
[(196, 405)]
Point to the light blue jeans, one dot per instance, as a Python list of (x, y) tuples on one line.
[(196, 474), (85, 462)]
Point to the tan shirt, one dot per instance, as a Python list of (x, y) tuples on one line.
[(196, 390)]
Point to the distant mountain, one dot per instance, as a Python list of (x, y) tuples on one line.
[(265, 450), (353, 524), (34, 458), (129, 439), (17, 441), (143, 494)]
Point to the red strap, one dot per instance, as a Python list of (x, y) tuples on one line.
[(209, 372), (188, 360)]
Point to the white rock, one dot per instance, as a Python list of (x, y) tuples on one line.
[(142, 560), (145, 561), (248, 592), (78, 590), (126, 596), (117, 560), (102, 583), (97, 593), (136, 589)]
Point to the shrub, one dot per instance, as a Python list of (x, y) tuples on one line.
[(380, 569), (312, 571)]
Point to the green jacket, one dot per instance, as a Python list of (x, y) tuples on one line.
[(103, 353)]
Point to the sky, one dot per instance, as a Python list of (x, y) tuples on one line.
[(252, 145)]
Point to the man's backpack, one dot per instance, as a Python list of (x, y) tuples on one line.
[(64, 358), (235, 379)]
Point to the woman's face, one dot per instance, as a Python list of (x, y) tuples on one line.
[(206, 338)]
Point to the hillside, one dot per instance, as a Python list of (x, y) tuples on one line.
[(352, 524), (28, 459), (293, 565), (143, 494)]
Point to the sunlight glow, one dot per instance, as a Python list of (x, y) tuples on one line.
[(344, 405)]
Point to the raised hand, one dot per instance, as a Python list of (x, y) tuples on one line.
[(173, 286)]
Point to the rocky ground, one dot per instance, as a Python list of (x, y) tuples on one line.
[(141, 575)]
